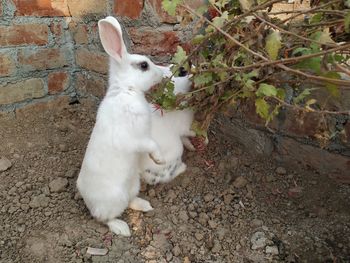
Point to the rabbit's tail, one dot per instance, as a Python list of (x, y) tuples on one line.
[(167, 173)]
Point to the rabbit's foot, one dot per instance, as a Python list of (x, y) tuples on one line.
[(157, 159), (140, 204), (119, 227)]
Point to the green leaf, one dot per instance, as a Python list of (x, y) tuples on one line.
[(197, 39), (170, 6), (313, 64), (266, 90), (347, 22), (273, 44), (306, 92), (281, 94), (203, 78), (220, 20), (316, 18), (333, 89), (301, 51), (262, 108), (196, 127), (180, 56)]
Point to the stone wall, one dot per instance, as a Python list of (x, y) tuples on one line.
[(50, 48)]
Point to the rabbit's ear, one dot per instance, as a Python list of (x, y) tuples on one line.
[(111, 38)]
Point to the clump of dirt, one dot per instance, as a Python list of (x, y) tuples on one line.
[(227, 207)]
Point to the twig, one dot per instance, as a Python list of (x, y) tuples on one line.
[(308, 11), (286, 104), (283, 61), (344, 83), (337, 12), (291, 33), (330, 23)]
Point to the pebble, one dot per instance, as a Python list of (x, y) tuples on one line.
[(217, 246), (281, 171), (240, 182), (203, 218), (176, 251), (228, 199), (58, 185), (5, 164), (199, 236), (212, 224), (63, 147), (271, 250), (258, 240), (256, 222), (70, 173), (183, 216), (152, 193), (208, 197), (39, 201)]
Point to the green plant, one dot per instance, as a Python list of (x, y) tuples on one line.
[(243, 50)]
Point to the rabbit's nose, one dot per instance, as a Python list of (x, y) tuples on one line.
[(182, 72)]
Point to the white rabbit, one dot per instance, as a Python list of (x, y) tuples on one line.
[(109, 178), (170, 129)]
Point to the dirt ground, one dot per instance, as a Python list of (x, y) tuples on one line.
[(228, 206)]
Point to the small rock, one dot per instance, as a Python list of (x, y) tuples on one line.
[(63, 147), (203, 218), (208, 198), (240, 182), (217, 247), (58, 185), (199, 236), (169, 256), (152, 193), (70, 173), (228, 199), (281, 171), (183, 216), (258, 240), (212, 224), (256, 223), (271, 250), (39, 201), (176, 251), (5, 164)]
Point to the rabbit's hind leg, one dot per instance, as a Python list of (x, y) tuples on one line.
[(140, 204), (119, 227)]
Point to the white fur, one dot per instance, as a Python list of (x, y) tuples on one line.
[(109, 177), (170, 129)]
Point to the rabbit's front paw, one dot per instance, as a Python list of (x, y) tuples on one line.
[(157, 158)]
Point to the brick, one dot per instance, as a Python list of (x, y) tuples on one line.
[(81, 8), (42, 59), (42, 8), (40, 107), (26, 34), (92, 60), (79, 33), (151, 42), (90, 85), (58, 82), (20, 91), (7, 64), (164, 17), (131, 8)]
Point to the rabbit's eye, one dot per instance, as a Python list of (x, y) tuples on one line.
[(144, 66)]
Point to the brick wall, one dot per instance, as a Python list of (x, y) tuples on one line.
[(50, 48)]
